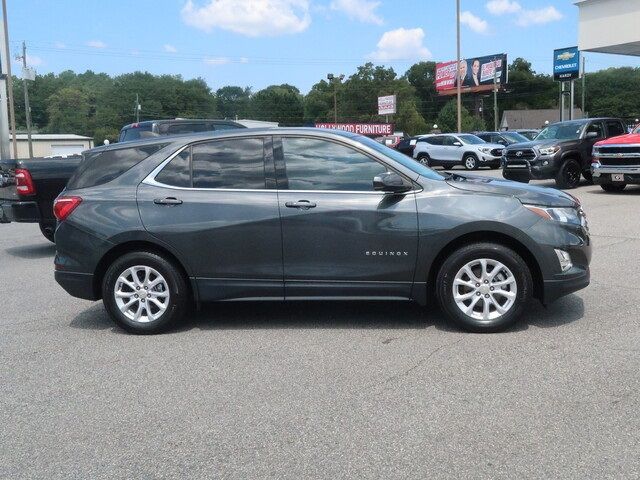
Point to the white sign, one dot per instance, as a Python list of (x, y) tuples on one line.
[(28, 73), (387, 105)]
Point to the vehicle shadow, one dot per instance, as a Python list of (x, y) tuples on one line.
[(335, 315), (37, 250)]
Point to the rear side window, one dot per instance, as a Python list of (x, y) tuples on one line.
[(102, 167), (177, 172), (615, 128), (179, 128), (236, 163), (136, 133), (434, 140)]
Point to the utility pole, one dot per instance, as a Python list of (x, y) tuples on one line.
[(584, 74), (459, 87), (9, 85), (335, 80), (27, 108), (138, 107)]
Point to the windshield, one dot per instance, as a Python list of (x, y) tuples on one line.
[(514, 137), (636, 130), (136, 133), (401, 158), (471, 139), (561, 131)]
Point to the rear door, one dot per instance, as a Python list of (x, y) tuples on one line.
[(215, 203), (451, 153), (340, 237)]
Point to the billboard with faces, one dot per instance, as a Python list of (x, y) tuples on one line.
[(476, 74)]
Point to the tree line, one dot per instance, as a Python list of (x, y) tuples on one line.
[(98, 105)]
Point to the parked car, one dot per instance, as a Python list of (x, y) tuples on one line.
[(406, 145), (177, 126), (561, 151), (452, 149), (616, 162), (307, 214), (28, 188), (391, 141), (528, 133), (502, 138)]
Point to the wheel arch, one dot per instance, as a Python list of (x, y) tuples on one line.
[(132, 246), (487, 237)]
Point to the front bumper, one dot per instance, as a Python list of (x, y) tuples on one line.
[(576, 279), (603, 175), (538, 168), (17, 211), (489, 160)]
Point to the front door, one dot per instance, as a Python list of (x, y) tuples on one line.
[(214, 205), (340, 237)]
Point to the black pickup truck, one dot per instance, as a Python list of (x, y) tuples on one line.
[(28, 188), (562, 151)]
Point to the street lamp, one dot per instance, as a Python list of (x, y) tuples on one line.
[(335, 80)]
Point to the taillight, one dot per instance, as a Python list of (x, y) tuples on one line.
[(63, 206), (24, 182)]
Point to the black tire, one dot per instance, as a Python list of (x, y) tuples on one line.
[(424, 159), (48, 232), (613, 187), (457, 260), (175, 282), (470, 161), (588, 176), (568, 176)]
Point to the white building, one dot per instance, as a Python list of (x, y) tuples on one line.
[(609, 26), (52, 144)]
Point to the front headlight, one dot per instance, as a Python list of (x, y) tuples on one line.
[(574, 216), (549, 150)]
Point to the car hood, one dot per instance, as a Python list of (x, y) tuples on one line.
[(489, 145), (529, 194), (542, 144)]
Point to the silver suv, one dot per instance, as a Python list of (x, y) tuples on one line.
[(457, 149)]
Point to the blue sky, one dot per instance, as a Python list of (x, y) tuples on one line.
[(262, 42)]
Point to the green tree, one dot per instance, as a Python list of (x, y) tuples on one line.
[(279, 103), (448, 119), (233, 101), (68, 111)]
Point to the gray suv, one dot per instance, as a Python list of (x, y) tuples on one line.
[(296, 213)]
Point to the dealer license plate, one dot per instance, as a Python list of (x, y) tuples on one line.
[(617, 177)]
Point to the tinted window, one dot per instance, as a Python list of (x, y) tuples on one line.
[(235, 163), (179, 128), (597, 128), (471, 139), (615, 128), (177, 172), (136, 133), (313, 164), (102, 167), (448, 141), (484, 137), (434, 140)]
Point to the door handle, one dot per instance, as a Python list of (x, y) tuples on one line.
[(168, 201), (301, 204)]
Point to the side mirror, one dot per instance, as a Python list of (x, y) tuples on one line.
[(457, 144), (592, 135), (390, 182)]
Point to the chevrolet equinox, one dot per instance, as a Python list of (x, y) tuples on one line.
[(300, 214)]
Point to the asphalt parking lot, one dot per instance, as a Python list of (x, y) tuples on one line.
[(324, 390)]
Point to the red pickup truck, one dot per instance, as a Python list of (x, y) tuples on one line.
[(616, 161)]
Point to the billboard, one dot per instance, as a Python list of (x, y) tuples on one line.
[(566, 64), (475, 74), (373, 129), (387, 105)]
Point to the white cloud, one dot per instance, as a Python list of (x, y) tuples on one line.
[(217, 60), (401, 44), (500, 7), (361, 10), (474, 23), (538, 17), (59, 45), (96, 44), (170, 48), (244, 60), (253, 18)]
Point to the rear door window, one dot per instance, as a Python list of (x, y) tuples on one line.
[(177, 173), (614, 129), (236, 163), (98, 168)]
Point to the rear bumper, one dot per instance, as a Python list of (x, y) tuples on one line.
[(78, 285), (18, 211)]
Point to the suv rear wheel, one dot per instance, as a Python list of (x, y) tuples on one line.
[(144, 293), (424, 159), (569, 175), (470, 161), (483, 287)]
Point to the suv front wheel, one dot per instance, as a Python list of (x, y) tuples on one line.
[(144, 293), (483, 287)]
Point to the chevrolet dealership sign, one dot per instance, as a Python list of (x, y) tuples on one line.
[(566, 64)]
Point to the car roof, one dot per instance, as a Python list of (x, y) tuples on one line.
[(187, 138), (586, 120), (180, 120)]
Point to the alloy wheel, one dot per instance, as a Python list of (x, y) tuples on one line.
[(142, 294), (485, 289)]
